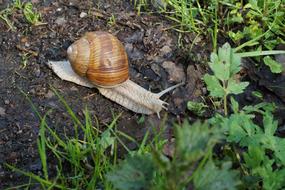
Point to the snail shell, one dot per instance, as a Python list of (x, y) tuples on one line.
[(101, 58)]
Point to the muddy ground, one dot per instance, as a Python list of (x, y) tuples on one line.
[(153, 52)]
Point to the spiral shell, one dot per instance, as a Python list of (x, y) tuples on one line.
[(101, 58)]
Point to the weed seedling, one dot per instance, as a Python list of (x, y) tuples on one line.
[(225, 65), (31, 16)]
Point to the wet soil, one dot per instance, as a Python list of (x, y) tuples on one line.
[(156, 62)]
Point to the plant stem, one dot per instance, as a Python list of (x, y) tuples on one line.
[(225, 105), (215, 33)]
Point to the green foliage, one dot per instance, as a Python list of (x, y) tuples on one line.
[(134, 173), (274, 66), (27, 9), (193, 142), (261, 21), (140, 4), (262, 167), (196, 107), (260, 26), (225, 65), (31, 16), (213, 177), (265, 155)]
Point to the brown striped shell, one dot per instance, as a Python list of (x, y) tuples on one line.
[(101, 58)]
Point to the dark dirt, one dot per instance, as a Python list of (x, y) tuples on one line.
[(153, 54)]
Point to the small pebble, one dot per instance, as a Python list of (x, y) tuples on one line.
[(175, 71), (166, 51), (2, 111), (156, 69), (83, 14), (60, 21), (73, 88), (49, 94), (37, 72)]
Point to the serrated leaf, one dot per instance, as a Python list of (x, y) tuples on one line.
[(221, 70), (220, 64), (235, 63), (241, 129), (254, 157), (228, 57), (234, 105), (235, 87), (191, 141), (134, 173), (224, 53), (214, 86), (280, 150), (270, 125), (274, 66), (212, 177), (214, 58)]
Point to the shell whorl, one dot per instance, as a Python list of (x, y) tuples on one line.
[(101, 58)]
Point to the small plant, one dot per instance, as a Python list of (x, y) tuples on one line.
[(31, 16), (140, 4), (225, 65), (112, 20), (260, 26), (18, 4), (4, 15), (156, 171), (261, 20), (197, 108)]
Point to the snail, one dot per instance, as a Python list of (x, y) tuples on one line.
[(98, 59)]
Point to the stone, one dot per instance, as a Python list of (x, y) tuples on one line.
[(83, 14), (2, 111), (175, 71), (60, 21)]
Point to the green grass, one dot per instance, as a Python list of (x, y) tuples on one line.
[(31, 15)]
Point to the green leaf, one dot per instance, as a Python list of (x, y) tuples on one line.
[(274, 179), (214, 86), (241, 129), (274, 66), (196, 107), (235, 106), (212, 177), (269, 124), (107, 140), (191, 141), (254, 157), (279, 151), (225, 53), (235, 64), (236, 88), (134, 173), (221, 70), (220, 64)]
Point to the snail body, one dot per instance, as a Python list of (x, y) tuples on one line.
[(98, 59)]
